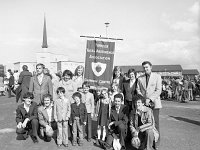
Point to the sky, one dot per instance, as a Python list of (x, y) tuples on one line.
[(164, 32)]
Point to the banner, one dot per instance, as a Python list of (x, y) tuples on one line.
[(99, 62)]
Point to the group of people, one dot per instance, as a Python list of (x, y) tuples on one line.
[(180, 89), (64, 104)]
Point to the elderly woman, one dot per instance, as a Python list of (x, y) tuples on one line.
[(68, 84), (46, 118), (78, 76)]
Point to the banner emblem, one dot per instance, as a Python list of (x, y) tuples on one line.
[(98, 68)]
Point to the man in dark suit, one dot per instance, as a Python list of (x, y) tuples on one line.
[(24, 81), (118, 123), (40, 84), (129, 88), (27, 118)]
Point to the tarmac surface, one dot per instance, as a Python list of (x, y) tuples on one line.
[(179, 124)]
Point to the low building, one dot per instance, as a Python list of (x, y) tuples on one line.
[(190, 73), (31, 66), (70, 65), (163, 70)]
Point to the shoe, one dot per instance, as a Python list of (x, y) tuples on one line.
[(97, 142), (73, 144), (123, 148), (59, 145), (80, 144), (65, 145), (89, 140), (34, 138), (20, 137), (47, 139)]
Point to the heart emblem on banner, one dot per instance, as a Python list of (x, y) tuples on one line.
[(98, 68)]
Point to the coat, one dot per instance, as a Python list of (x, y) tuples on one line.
[(82, 113), (62, 111), (43, 116), (21, 113), (39, 90), (153, 90), (122, 117), (24, 82), (147, 120), (128, 91)]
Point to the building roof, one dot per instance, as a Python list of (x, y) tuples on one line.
[(190, 72), (155, 68)]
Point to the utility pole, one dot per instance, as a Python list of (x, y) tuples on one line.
[(103, 38), (107, 24)]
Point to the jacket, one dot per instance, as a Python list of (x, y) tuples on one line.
[(43, 116), (129, 91), (39, 90), (21, 113), (153, 90), (82, 113), (122, 117), (62, 110)]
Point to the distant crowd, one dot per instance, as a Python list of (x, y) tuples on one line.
[(180, 89), (63, 105)]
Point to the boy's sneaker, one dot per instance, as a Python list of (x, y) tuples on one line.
[(89, 140), (73, 143), (80, 144)]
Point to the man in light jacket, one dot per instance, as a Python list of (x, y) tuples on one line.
[(150, 86), (40, 84)]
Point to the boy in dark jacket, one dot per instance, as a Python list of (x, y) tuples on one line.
[(27, 118), (78, 118)]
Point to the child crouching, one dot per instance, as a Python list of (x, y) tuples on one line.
[(78, 118)]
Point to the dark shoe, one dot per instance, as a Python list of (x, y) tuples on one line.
[(20, 137), (97, 142), (80, 144), (123, 148), (47, 139), (34, 138), (65, 145)]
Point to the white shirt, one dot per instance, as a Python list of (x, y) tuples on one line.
[(40, 77), (49, 112), (26, 108), (117, 109), (131, 83)]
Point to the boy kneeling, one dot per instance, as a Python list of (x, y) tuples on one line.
[(27, 118), (117, 124), (142, 125)]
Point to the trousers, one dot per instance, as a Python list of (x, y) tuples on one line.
[(62, 132)]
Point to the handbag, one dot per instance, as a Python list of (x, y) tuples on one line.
[(135, 142), (151, 104)]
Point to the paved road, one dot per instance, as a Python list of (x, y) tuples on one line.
[(179, 123)]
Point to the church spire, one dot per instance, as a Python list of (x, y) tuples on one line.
[(44, 43)]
